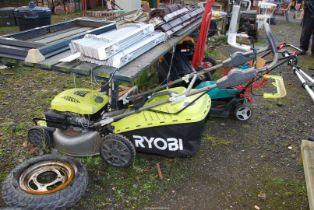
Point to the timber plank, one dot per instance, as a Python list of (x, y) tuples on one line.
[(307, 151), (54, 60), (84, 68)]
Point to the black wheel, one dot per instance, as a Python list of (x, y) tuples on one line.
[(243, 112), (117, 151), (45, 182), (38, 136)]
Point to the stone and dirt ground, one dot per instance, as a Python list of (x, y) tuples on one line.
[(251, 165)]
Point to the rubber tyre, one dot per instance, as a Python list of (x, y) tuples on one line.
[(243, 108), (123, 141), (14, 196), (37, 135)]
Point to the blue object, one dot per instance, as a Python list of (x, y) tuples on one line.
[(217, 93)]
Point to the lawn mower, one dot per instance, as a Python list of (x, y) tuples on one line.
[(233, 100)]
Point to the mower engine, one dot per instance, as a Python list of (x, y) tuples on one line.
[(68, 122)]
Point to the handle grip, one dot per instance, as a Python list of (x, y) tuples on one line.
[(236, 77)]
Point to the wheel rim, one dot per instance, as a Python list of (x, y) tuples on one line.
[(243, 113), (116, 152), (47, 177)]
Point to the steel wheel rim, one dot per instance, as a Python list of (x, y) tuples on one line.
[(243, 113), (116, 152), (47, 177)]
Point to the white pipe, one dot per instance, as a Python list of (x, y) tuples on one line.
[(306, 86), (232, 32), (310, 91), (307, 76)]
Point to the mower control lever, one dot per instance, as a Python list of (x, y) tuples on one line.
[(236, 77)]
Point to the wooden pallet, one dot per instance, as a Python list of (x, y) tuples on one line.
[(307, 151), (127, 74)]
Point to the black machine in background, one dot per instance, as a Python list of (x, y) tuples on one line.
[(248, 24), (247, 20)]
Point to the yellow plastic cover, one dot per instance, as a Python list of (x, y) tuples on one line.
[(280, 86), (80, 101), (149, 118)]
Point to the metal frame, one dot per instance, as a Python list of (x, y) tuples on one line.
[(17, 45)]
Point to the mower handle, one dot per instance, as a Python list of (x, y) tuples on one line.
[(273, 46), (294, 47), (239, 76)]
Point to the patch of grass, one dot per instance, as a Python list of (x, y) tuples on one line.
[(281, 192), (18, 70), (65, 17), (8, 29), (3, 175), (306, 61), (215, 141), (129, 188), (6, 128)]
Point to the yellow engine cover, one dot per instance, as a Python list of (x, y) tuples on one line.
[(80, 101)]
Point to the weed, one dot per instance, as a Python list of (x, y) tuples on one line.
[(216, 141)]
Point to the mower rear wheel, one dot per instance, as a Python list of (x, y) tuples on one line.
[(243, 112), (117, 151)]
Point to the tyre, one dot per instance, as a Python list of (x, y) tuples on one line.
[(117, 151), (45, 182), (243, 112), (39, 136)]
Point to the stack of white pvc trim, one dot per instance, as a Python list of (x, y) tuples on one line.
[(119, 47), (103, 46), (125, 56)]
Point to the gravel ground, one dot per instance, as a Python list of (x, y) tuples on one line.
[(255, 164)]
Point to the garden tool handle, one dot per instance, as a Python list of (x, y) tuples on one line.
[(236, 77), (273, 46), (294, 47)]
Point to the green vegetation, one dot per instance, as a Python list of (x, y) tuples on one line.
[(216, 141), (8, 29)]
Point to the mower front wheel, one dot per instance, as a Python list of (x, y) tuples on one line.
[(39, 136), (243, 112), (117, 151)]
